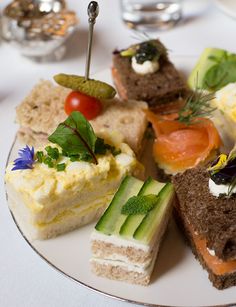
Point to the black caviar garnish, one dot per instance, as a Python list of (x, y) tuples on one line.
[(147, 51)]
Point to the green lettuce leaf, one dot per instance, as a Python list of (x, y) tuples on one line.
[(221, 74), (75, 136)]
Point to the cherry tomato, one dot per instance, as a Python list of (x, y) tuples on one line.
[(89, 106)]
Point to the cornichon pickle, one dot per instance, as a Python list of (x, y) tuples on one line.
[(128, 52), (94, 88)]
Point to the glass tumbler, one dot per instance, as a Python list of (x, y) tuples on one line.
[(151, 14)]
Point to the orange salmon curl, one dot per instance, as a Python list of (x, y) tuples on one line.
[(178, 146)]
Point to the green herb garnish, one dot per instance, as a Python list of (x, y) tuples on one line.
[(52, 152), (75, 136), (222, 72), (101, 148), (85, 157), (74, 158), (48, 161), (40, 156), (78, 141), (197, 105), (61, 167), (140, 204)]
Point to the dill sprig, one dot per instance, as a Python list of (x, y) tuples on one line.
[(197, 105)]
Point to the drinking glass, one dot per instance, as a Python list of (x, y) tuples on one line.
[(151, 14)]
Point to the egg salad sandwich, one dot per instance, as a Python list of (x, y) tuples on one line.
[(224, 115), (68, 183), (206, 212), (126, 239), (48, 104)]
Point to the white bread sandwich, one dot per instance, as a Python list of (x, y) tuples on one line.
[(68, 183), (43, 109)]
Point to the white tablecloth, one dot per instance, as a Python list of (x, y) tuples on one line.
[(26, 280)]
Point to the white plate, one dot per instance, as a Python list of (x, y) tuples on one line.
[(227, 6), (177, 280)]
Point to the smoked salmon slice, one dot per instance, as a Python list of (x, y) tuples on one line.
[(216, 265), (179, 146)]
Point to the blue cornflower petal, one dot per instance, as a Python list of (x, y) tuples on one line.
[(25, 159)]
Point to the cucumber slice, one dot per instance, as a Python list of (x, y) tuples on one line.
[(112, 217), (196, 78), (132, 222), (94, 88), (152, 223)]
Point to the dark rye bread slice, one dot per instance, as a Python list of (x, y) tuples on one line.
[(219, 281), (164, 86), (211, 217)]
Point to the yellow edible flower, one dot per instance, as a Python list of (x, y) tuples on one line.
[(220, 164)]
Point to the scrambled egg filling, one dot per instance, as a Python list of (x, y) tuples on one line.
[(224, 117), (225, 100), (82, 186)]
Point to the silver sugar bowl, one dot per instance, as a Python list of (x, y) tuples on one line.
[(38, 28)]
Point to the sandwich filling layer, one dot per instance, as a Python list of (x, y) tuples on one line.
[(123, 262), (216, 265), (51, 197)]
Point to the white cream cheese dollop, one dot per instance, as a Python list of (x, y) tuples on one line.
[(148, 67), (217, 189)]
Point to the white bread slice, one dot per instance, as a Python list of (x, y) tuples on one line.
[(71, 222), (43, 109)]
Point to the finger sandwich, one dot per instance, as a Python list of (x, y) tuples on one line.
[(43, 109), (127, 237), (52, 192), (144, 72), (207, 215)]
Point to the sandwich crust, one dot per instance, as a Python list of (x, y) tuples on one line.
[(43, 109), (120, 273), (222, 281), (211, 217), (208, 224)]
